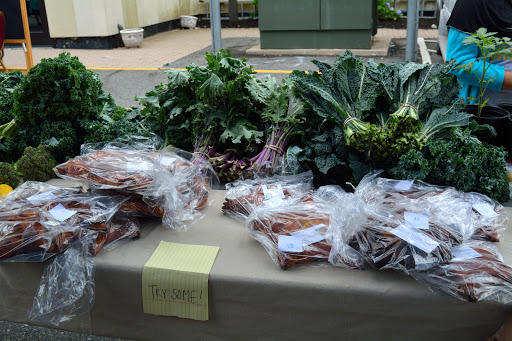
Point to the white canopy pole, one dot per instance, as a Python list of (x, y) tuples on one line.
[(215, 26)]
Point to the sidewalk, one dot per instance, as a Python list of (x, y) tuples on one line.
[(162, 48)]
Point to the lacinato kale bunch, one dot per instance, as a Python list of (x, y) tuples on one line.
[(52, 104), (36, 164), (343, 94), (459, 160)]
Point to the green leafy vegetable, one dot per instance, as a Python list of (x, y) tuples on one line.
[(36, 164), (461, 161), (8, 175)]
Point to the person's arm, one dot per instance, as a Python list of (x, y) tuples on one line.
[(507, 81), (465, 54)]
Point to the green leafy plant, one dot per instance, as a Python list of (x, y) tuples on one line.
[(386, 12), (8, 175), (206, 108), (36, 164), (459, 160), (491, 48), (60, 104)]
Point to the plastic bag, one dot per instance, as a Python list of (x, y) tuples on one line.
[(39, 220), (295, 232), (160, 183), (476, 273), (132, 142), (473, 215), (121, 229), (242, 197), (67, 286), (180, 188)]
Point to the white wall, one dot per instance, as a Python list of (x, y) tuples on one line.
[(99, 18)]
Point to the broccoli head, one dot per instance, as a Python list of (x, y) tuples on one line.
[(36, 164), (8, 175)]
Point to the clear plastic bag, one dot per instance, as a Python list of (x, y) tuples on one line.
[(180, 188), (472, 215), (406, 225), (294, 233), (476, 273), (67, 286), (159, 183), (133, 142), (39, 220), (242, 197)]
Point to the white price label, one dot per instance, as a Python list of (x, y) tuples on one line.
[(486, 210), (311, 235), (289, 244), (142, 166), (166, 161), (45, 196), (404, 185), (464, 252), (273, 191), (273, 202), (416, 220), (61, 213), (414, 238)]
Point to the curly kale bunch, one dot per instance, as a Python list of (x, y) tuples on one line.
[(60, 104), (58, 89), (36, 164), (8, 83), (8, 175), (461, 161), (114, 121)]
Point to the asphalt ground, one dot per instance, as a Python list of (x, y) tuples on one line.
[(124, 85)]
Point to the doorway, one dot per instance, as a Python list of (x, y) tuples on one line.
[(38, 23)]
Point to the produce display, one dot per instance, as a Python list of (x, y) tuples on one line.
[(378, 130)]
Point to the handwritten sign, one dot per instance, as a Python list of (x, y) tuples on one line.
[(175, 280)]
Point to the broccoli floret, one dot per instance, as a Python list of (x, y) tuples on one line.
[(36, 164), (8, 175)]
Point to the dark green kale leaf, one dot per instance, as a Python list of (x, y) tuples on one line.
[(460, 160), (8, 82)]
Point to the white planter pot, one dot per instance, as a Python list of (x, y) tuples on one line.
[(132, 37), (188, 21)]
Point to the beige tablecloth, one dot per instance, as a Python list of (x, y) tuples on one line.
[(250, 298)]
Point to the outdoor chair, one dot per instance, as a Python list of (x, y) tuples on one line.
[(2, 38)]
